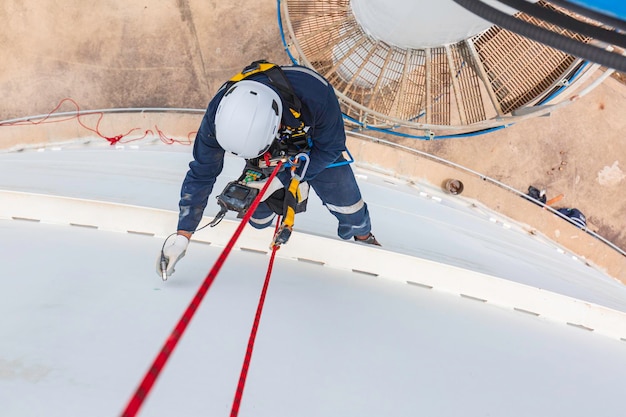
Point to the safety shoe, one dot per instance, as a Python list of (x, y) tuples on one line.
[(369, 239)]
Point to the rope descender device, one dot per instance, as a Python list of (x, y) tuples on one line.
[(237, 195), (292, 197)]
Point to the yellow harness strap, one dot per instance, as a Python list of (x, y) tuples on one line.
[(256, 68), (261, 67)]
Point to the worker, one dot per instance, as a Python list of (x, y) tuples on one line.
[(576, 216), (268, 112)]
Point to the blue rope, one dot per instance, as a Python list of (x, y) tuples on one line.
[(560, 89), (407, 135), (282, 33)]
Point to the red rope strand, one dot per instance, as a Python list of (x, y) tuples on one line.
[(157, 366), (120, 138), (257, 318)]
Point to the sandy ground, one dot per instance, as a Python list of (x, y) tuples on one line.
[(576, 152), (166, 53)]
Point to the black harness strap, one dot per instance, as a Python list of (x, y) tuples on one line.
[(278, 79)]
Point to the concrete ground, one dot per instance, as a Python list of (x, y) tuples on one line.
[(166, 53), (576, 152)]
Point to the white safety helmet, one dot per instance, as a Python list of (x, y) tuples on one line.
[(248, 118)]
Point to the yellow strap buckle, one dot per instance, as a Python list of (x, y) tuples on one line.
[(252, 69)]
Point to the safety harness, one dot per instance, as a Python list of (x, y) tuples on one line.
[(291, 140), (289, 148)]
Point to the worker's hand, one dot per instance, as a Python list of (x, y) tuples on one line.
[(172, 253)]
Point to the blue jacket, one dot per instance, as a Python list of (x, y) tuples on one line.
[(575, 215), (320, 110)]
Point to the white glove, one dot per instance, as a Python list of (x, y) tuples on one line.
[(275, 185), (171, 254)]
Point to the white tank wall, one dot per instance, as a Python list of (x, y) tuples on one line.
[(415, 220), (417, 23), (85, 313)]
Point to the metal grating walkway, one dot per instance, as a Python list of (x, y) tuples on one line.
[(450, 86)]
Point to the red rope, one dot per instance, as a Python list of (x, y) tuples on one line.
[(257, 318), (96, 130), (157, 366)]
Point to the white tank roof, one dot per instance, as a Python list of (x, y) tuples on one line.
[(418, 23), (452, 307)]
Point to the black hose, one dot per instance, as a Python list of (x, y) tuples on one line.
[(546, 37), (568, 22), (592, 14)]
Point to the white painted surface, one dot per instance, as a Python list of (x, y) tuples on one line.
[(85, 313), (417, 220), (417, 23), (329, 253)]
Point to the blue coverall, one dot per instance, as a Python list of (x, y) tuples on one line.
[(336, 186)]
